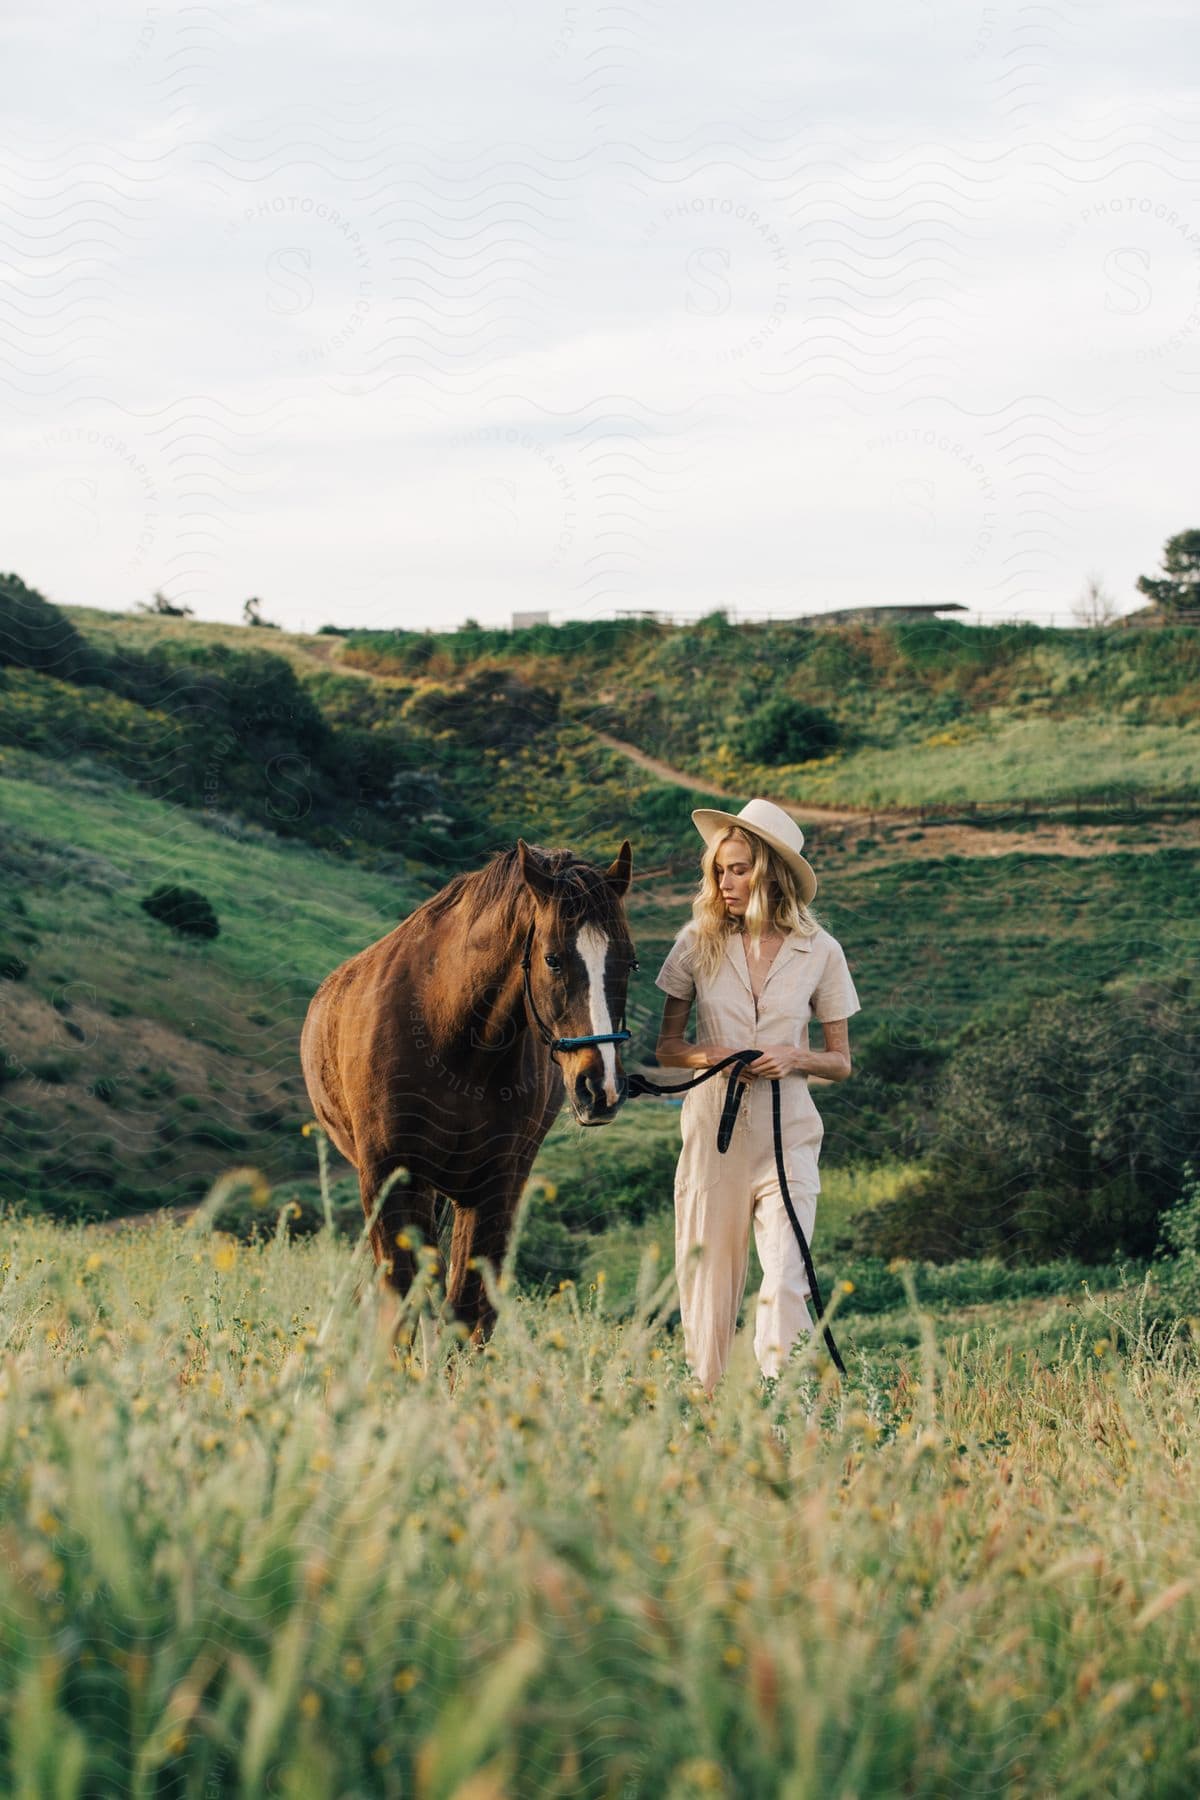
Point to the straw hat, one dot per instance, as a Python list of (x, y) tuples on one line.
[(773, 825)]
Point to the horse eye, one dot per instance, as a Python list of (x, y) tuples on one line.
[(552, 961)]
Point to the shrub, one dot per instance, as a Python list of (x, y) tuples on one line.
[(1062, 1132), (184, 909), (786, 731), (1178, 1250), (492, 710), (35, 635)]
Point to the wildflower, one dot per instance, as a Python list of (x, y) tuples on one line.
[(405, 1680), (847, 1287), (310, 1703), (732, 1655), (698, 1772)]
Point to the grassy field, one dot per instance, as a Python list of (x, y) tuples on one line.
[(998, 758), (183, 1054), (245, 1550), (244, 1553)]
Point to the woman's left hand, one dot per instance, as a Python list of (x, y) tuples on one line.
[(772, 1063)]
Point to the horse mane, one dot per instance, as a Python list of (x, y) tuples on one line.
[(581, 890)]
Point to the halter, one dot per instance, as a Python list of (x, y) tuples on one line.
[(547, 1036)]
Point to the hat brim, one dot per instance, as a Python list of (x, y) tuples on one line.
[(708, 821)]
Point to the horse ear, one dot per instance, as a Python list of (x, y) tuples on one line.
[(533, 873), (619, 873)]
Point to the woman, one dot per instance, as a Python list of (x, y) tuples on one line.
[(758, 964)]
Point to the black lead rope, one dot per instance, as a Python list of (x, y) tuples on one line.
[(640, 1084)]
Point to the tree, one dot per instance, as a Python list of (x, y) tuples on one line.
[(252, 615), (1095, 607), (786, 731), (35, 635), (161, 606), (1059, 1132), (1179, 589)]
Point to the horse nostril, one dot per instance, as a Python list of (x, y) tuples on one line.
[(589, 1090)]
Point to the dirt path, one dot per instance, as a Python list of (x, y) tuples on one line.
[(680, 778), (906, 832), (931, 837)]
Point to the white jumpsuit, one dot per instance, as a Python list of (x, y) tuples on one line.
[(717, 1197)]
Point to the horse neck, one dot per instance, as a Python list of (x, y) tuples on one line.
[(481, 991)]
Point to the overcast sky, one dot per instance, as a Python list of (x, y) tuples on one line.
[(396, 318)]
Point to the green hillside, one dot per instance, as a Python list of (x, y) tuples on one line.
[(924, 711), (316, 788), (138, 1063)]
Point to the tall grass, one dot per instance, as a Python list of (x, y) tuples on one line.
[(242, 1550)]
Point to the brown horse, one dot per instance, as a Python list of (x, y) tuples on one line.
[(420, 1053)]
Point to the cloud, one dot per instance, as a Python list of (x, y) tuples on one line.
[(392, 318)]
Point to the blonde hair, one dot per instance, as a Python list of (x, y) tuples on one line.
[(711, 916)]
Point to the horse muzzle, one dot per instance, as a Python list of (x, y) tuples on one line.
[(594, 1100)]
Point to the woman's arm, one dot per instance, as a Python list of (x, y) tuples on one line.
[(830, 1064), (674, 1051)]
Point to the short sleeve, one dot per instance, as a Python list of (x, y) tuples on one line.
[(835, 996), (675, 976)]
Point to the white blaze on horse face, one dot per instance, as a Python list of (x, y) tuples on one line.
[(592, 944)]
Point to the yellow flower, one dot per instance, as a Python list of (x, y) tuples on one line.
[(732, 1655), (406, 1680), (847, 1287), (310, 1704)]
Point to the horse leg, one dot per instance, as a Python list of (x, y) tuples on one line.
[(409, 1205), (479, 1231)]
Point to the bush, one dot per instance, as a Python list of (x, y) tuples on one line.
[(1062, 1132), (786, 731), (1178, 1251), (184, 909), (35, 635), (492, 710)]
